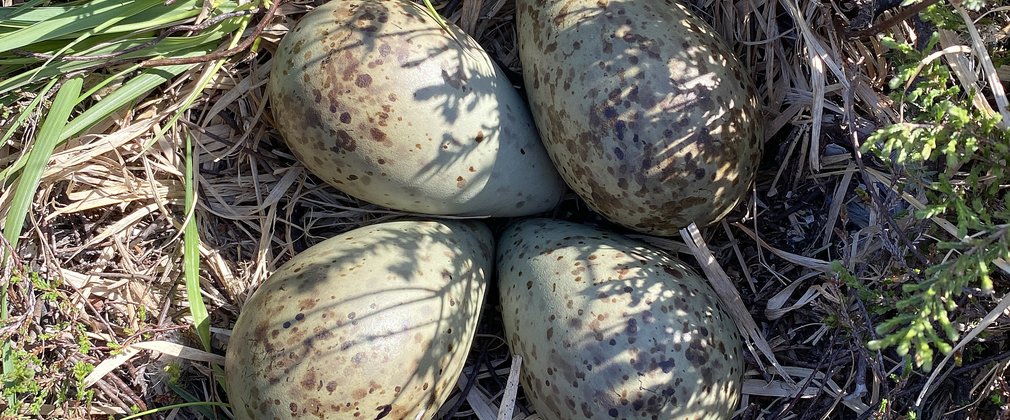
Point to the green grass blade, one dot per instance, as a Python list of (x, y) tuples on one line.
[(156, 14), (199, 404), (171, 47), (80, 27), (75, 20), (27, 112), (191, 235), (123, 12), (27, 9), (188, 397), (81, 48), (191, 255), (49, 136), (136, 88), (201, 85), (164, 15), (108, 80)]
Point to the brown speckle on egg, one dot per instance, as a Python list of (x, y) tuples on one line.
[(649, 118), (311, 334), (375, 76), (613, 345)]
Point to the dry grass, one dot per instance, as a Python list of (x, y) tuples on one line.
[(107, 224)]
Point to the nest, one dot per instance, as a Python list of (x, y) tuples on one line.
[(105, 236)]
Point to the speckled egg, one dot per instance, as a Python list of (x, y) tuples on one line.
[(376, 99), (643, 108), (610, 328), (373, 323)]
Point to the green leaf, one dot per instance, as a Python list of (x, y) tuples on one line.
[(28, 182), (193, 399), (886, 327), (902, 348), (973, 5), (27, 112), (44, 23), (77, 19), (10, 15), (198, 404), (191, 255), (924, 355), (984, 279), (931, 211), (434, 14), (172, 46), (132, 91)]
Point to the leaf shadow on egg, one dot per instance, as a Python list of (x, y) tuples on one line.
[(343, 329), (409, 116), (652, 129), (611, 328)]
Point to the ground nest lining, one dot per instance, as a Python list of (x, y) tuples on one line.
[(105, 235)]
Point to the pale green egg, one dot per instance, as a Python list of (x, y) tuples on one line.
[(373, 323), (378, 100), (645, 111), (610, 328)]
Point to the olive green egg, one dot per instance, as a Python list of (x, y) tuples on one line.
[(643, 108), (373, 323), (378, 100), (610, 328)]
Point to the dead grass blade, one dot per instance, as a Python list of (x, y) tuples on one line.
[(811, 263), (50, 411), (817, 82), (482, 408), (837, 201), (511, 389), (982, 54), (963, 69), (731, 298), (739, 256), (776, 306), (110, 364), (815, 378), (180, 351)]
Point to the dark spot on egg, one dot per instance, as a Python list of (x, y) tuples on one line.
[(377, 135)]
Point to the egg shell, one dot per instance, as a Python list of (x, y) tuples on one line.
[(609, 328), (373, 323), (645, 111), (377, 100)]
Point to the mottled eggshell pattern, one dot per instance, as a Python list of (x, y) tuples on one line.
[(643, 108), (609, 328), (373, 323), (376, 99)]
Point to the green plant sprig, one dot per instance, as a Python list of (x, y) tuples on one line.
[(33, 38), (960, 156)]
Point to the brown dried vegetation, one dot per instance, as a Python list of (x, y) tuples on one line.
[(106, 225)]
